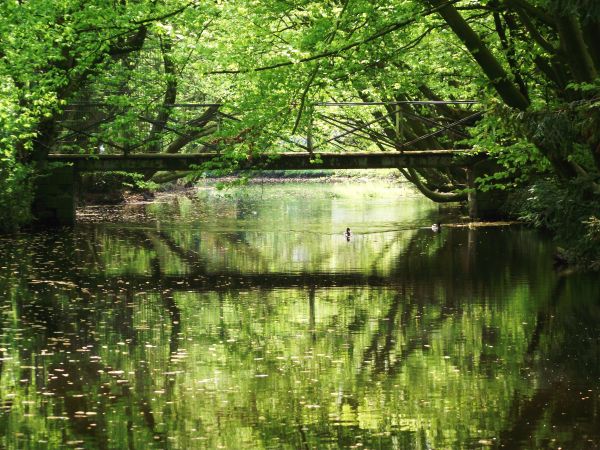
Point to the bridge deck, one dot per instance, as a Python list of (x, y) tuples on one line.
[(280, 161)]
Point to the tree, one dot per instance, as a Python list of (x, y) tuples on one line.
[(562, 43), (533, 65), (51, 56)]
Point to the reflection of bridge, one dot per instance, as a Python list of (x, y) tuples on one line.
[(453, 269), (198, 273), (228, 281)]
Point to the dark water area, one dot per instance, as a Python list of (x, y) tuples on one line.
[(245, 319)]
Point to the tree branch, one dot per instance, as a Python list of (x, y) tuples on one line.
[(509, 50), (198, 123), (315, 71), (533, 31), (159, 124), (438, 197), (487, 61), (379, 34), (574, 47), (533, 11)]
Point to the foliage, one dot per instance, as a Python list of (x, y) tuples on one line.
[(106, 182), (570, 211), (499, 133), (139, 182), (245, 77), (15, 195), (49, 54)]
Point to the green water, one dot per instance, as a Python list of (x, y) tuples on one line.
[(246, 320)]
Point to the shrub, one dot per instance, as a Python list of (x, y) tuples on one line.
[(570, 210), (16, 195)]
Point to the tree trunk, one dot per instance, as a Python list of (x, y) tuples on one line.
[(574, 47), (498, 77), (164, 113)]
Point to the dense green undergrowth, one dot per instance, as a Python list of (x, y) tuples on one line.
[(16, 195), (570, 211)]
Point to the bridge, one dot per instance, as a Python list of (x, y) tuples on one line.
[(55, 201), (271, 161), (399, 135)]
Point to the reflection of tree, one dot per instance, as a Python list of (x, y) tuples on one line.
[(64, 317), (381, 358), (526, 414), (311, 313), (240, 243), (411, 332), (558, 355), (195, 262), (544, 315), (375, 326)]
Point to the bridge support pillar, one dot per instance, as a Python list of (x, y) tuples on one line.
[(488, 205), (55, 197)]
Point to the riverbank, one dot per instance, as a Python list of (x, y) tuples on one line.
[(569, 212), (136, 205), (305, 176), (111, 190)]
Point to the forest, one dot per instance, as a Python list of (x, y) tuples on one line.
[(248, 77), (447, 304)]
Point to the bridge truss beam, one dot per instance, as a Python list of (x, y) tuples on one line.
[(281, 161)]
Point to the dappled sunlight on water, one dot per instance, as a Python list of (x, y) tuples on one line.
[(247, 320)]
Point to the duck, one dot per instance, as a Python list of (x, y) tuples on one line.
[(436, 227), (348, 233)]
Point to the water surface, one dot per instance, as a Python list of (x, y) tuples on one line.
[(245, 319)]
